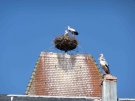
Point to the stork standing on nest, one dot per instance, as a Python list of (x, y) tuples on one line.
[(66, 33), (104, 64), (73, 31)]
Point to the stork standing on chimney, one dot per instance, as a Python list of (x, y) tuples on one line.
[(73, 31), (104, 64)]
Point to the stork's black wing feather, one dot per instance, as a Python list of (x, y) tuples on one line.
[(108, 72), (76, 33)]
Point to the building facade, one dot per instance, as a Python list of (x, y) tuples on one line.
[(64, 77)]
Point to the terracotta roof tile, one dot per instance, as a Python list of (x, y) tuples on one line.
[(65, 75)]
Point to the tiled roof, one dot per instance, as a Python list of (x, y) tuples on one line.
[(65, 75)]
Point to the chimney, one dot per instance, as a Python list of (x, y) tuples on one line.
[(109, 89)]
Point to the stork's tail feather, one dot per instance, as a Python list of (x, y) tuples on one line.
[(76, 33), (108, 70)]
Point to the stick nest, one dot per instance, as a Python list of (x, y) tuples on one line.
[(65, 43)]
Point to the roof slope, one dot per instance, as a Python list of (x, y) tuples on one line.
[(65, 75)]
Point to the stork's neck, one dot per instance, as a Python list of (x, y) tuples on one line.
[(68, 27), (66, 31), (102, 59)]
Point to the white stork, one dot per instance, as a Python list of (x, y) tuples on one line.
[(73, 31), (66, 33), (104, 64)]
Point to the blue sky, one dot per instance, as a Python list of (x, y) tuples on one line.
[(28, 27)]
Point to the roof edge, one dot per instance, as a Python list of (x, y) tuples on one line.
[(54, 96), (96, 65), (31, 78)]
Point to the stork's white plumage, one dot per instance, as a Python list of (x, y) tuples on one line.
[(66, 33), (73, 31), (104, 64)]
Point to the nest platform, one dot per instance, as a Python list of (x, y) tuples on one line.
[(65, 43)]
